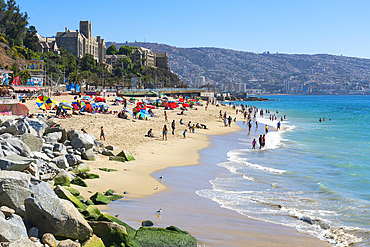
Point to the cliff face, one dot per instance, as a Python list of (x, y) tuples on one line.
[(7, 58)]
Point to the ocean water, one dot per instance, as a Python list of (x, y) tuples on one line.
[(313, 176)]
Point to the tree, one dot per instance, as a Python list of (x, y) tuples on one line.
[(12, 22), (30, 41), (76, 77), (112, 50), (88, 62), (126, 62), (125, 50)]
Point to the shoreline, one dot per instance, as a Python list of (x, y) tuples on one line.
[(154, 155)]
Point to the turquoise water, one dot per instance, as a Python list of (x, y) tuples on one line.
[(313, 176)]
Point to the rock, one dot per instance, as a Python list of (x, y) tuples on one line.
[(127, 155), (81, 168), (112, 148), (91, 213), (79, 181), (33, 142), (8, 212), (107, 152), (130, 230), (94, 241), (33, 169), (59, 147), (49, 239), (15, 178), (13, 196), (88, 155), (12, 228), (56, 216), (23, 242), (17, 146), (73, 191), (150, 236), (46, 146), (117, 158), (68, 243), (115, 197), (5, 136), (41, 187), (11, 130), (33, 232), (111, 233), (98, 144), (109, 192), (81, 140), (62, 178), (40, 156), (59, 130), (107, 169), (14, 162), (8, 122), (85, 175), (147, 223), (99, 198), (23, 126), (61, 162), (38, 125), (71, 159), (66, 195), (89, 202), (53, 137)]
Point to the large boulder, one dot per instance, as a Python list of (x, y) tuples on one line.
[(24, 242), (150, 236), (111, 233), (81, 140), (41, 187), (61, 162), (38, 125), (66, 195), (15, 178), (88, 155), (62, 178), (14, 162), (99, 198), (49, 130), (40, 156), (49, 239), (17, 146), (94, 241), (91, 213), (23, 126), (79, 181), (71, 159), (53, 137), (81, 168), (11, 130), (127, 155), (33, 142), (13, 196), (107, 152), (107, 217), (56, 216), (68, 243), (12, 228)]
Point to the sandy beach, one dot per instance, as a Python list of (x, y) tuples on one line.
[(153, 155)]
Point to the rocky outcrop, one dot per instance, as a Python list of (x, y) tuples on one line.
[(111, 233), (12, 228), (56, 216)]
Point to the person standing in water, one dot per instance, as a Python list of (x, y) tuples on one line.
[(266, 129), (254, 144)]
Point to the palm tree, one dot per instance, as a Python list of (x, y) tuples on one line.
[(76, 77)]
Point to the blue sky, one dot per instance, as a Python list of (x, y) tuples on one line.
[(284, 26)]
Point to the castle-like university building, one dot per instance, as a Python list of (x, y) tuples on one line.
[(77, 42)]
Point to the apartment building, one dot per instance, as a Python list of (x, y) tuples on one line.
[(147, 57), (114, 60)]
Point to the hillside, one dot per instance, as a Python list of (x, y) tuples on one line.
[(263, 70), (7, 58)]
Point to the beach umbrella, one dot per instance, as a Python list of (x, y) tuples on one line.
[(127, 110), (133, 98), (181, 100), (141, 115), (20, 109), (86, 97), (150, 106), (65, 105), (99, 99), (185, 105), (44, 102), (119, 98), (55, 102)]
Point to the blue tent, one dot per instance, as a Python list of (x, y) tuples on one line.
[(72, 87)]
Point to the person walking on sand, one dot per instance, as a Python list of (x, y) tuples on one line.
[(102, 135), (173, 127), (254, 144), (266, 129), (229, 119), (164, 133), (184, 134), (165, 116)]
